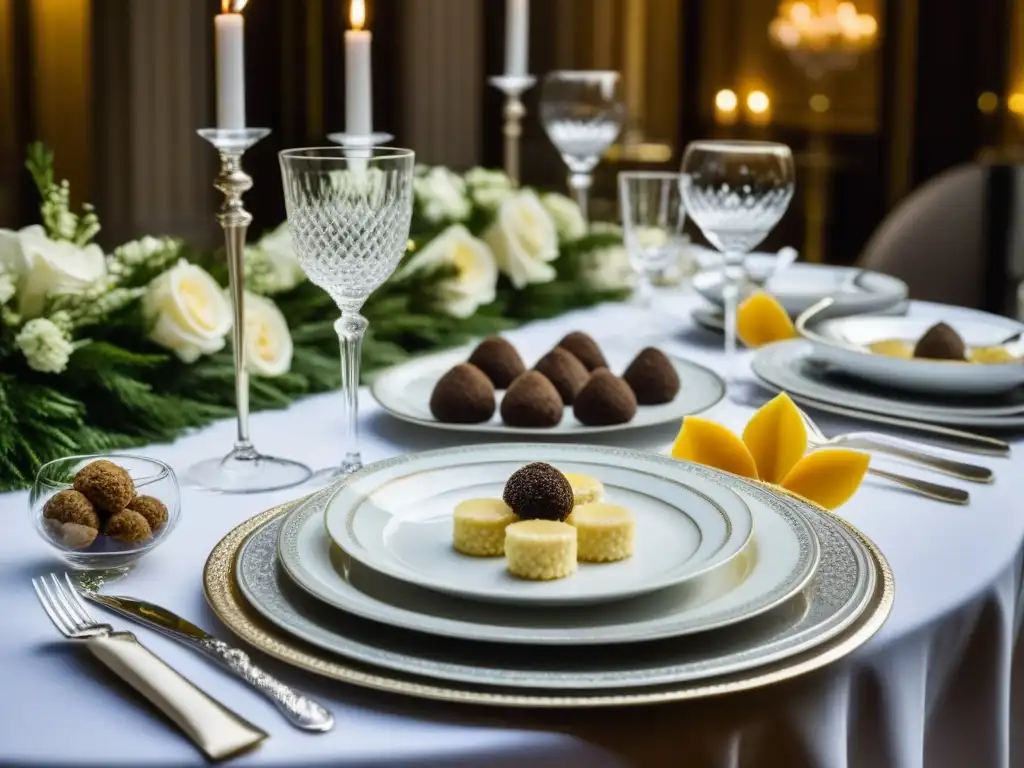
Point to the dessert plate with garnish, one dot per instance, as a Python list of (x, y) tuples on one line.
[(572, 388), (969, 353), (492, 523), (790, 366)]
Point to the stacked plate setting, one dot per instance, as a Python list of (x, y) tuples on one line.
[(732, 585)]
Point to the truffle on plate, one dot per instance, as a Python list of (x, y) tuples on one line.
[(499, 361), (70, 506), (652, 377), (532, 401), (128, 526), (538, 491), (108, 486), (606, 400), (464, 395), (586, 350), (563, 369), (151, 508), (940, 342)]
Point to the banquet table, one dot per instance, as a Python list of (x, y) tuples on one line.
[(934, 687)]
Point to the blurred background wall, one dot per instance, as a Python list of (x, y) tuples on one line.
[(118, 87)]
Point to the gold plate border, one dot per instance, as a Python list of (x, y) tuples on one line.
[(226, 602)]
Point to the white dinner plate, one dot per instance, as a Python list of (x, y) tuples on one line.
[(840, 590), (395, 517), (776, 565), (790, 366), (802, 285), (843, 342), (404, 392)]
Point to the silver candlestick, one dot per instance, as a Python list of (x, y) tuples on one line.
[(243, 469), (513, 86)]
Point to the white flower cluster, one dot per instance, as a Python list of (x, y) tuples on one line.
[(441, 195), (487, 188), (270, 264), (46, 347), (147, 253)]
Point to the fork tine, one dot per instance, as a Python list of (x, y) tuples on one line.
[(64, 601), (76, 598), (50, 606)]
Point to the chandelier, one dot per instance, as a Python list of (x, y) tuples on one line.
[(823, 36)]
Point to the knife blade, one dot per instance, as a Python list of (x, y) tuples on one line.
[(300, 710)]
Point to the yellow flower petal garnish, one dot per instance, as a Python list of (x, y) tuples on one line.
[(773, 449), (777, 438), (708, 442), (991, 355), (760, 320)]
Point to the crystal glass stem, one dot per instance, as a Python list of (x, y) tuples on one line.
[(351, 327), (733, 274), (580, 183)]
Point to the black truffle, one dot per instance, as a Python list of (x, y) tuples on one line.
[(940, 342), (605, 400), (532, 401), (498, 360), (652, 377), (463, 396), (585, 349), (565, 371), (538, 491)]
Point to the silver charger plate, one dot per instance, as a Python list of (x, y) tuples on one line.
[(838, 593), (396, 517), (790, 366), (803, 285), (777, 564), (404, 392)]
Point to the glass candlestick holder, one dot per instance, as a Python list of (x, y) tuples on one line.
[(513, 86), (361, 140), (243, 469)]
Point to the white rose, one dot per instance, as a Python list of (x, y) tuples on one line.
[(487, 178), (477, 271), (52, 268), (442, 195), (568, 217), (280, 253), (188, 310), (268, 343), (45, 346), (524, 239), (608, 269)]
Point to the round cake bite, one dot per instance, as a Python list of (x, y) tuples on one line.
[(478, 527), (498, 360), (532, 401), (108, 486), (540, 550), (563, 369), (652, 377), (538, 491), (464, 395), (604, 532), (605, 400)]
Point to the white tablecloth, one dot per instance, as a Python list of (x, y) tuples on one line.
[(933, 687)]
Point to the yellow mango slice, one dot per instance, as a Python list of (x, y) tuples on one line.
[(991, 355), (760, 320), (892, 348), (776, 437), (709, 443), (828, 477)]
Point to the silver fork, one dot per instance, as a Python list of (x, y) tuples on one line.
[(870, 441), (216, 730)]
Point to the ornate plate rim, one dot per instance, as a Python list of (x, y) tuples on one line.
[(222, 596)]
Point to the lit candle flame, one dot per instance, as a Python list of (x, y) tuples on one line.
[(233, 6), (357, 14)]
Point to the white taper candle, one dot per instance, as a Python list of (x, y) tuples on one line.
[(517, 36), (229, 33), (358, 80)]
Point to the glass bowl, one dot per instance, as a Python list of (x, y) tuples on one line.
[(72, 540)]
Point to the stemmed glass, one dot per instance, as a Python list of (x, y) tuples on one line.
[(349, 212), (582, 113), (736, 192), (653, 216)]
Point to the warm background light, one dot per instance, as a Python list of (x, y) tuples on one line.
[(233, 6), (1016, 103), (987, 103), (726, 101), (820, 103), (758, 102), (357, 14)]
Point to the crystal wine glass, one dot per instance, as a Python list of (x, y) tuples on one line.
[(653, 215), (349, 212), (736, 192), (582, 113)]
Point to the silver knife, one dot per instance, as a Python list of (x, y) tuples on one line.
[(300, 710)]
